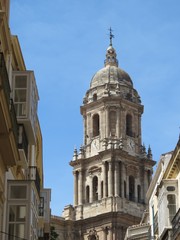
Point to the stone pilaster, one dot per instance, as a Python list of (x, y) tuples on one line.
[(80, 187), (110, 186), (116, 179), (75, 188)]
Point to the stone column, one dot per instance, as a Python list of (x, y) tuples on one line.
[(145, 181), (91, 191), (118, 123), (107, 122), (99, 187), (88, 128), (75, 188), (102, 124), (139, 131), (122, 122), (135, 190), (127, 186), (122, 179), (116, 179), (80, 187), (85, 129), (104, 181), (110, 187)]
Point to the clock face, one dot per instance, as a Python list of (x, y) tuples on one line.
[(95, 143), (130, 144)]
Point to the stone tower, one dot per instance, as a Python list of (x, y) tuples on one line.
[(112, 170)]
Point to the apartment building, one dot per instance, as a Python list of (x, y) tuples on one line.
[(162, 220), (24, 202)]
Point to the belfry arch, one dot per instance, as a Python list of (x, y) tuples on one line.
[(96, 125), (129, 130)]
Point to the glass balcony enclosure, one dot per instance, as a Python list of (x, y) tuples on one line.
[(167, 204), (25, 96), (22, 210)]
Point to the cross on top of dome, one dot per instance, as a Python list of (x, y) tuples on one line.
[(111, 53), (111, 36)]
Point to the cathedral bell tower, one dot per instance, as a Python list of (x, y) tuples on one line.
[(112, 170)]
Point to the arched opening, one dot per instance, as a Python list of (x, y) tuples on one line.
[(139, 193), (131, 188), (129, 125), (87, 194), (95, 125), (112, 123), (95, 188), (94, 97), (92, 237)]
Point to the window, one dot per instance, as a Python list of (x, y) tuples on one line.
[(41, 207), (139, 193), (17, 219), (171, 205), (87, 194), (95, 125), (20, 95), (131, 188), (93, 237), (112, 123), (18, 192), (170, 188), (94, 97), (129, 125), (101, 189), (95, 188)]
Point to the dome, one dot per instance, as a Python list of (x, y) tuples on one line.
[(111, 81), (110, 75)]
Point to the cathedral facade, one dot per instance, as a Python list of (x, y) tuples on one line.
[(112, 170)]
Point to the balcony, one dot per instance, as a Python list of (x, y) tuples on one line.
[(8, 126), (33, 174), (4, 83), (176, 226), (25, 96), (139, 232)]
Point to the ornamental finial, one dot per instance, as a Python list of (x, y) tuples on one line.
[(111, 36)]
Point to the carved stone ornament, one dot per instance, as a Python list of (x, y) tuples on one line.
[(132, 170), (93, 235)]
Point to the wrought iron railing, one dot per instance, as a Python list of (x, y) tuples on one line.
[(33, 175), (4, 84), (14, 120), (4, 78), (22, 140)]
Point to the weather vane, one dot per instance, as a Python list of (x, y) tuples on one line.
[(111, 36)]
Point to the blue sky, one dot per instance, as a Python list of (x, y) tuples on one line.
[(65, 41)]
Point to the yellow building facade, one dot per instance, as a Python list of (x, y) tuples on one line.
[(24, 202)]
